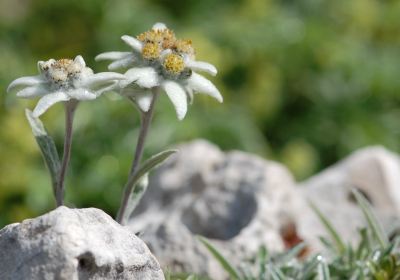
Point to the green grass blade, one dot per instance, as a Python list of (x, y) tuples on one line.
[(323, 270), (275, 273), (245, 272), (372, 221), (221, 259), (309, 268), (167, 275), (363, 246), (327, 243), (292, 253), (262, 261), (341, 247)]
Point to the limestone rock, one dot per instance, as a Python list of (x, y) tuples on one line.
[(237, 200), (375, 172), (74, 244)]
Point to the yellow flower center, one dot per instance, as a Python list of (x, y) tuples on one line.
[(174, 63), (62, 68), (61, 72), (168, 39), (151, 51), (184, 46), (158, 41), (165, 37)]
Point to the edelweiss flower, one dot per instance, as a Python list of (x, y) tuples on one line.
[(159, 59), (63, 80)]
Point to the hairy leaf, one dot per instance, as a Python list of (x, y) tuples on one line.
[(139, 182), (47, 147)]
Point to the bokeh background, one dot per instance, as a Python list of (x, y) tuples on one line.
[(305, 82)]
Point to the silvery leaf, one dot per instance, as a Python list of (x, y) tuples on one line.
[(135, 197), (138, 178), (47, 147)]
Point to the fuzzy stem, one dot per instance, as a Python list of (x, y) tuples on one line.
[(146, 118), (70, 107)]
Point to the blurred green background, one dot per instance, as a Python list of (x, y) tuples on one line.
[(305, 82)]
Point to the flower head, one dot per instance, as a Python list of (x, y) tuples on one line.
[(159, 59), (63, 80)]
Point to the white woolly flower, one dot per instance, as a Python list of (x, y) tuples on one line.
[(159, 60), (63, 80)]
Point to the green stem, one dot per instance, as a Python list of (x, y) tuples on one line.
[(70, 107), (146, 118)]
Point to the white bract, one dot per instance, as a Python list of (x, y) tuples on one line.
[(63, 80), (159, 60)]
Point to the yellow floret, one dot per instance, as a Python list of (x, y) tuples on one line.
[(168, 38), (67, 65), (151, 51), (60, 71), (165, 38), (63, 63), (184, 46), (150, 36), (174, 63)]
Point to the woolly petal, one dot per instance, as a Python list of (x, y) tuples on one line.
[(36, 125), (41, 64), (145, 77), (79, 59), (26, 81), (132, 42), (159, 26), (200, 84), (122, 63), (47, 101), (96, 81), (189, 92), (81, 94), (143, 100), (111, 87), (111, 55), (178, 97), (32, 91), (201, 66)]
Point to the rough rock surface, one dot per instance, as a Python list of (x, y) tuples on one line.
[(237, 200), (375, 172), (74, 244)]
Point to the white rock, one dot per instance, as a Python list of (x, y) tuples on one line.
[(74, 244), (374, 171), (237, 200)]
